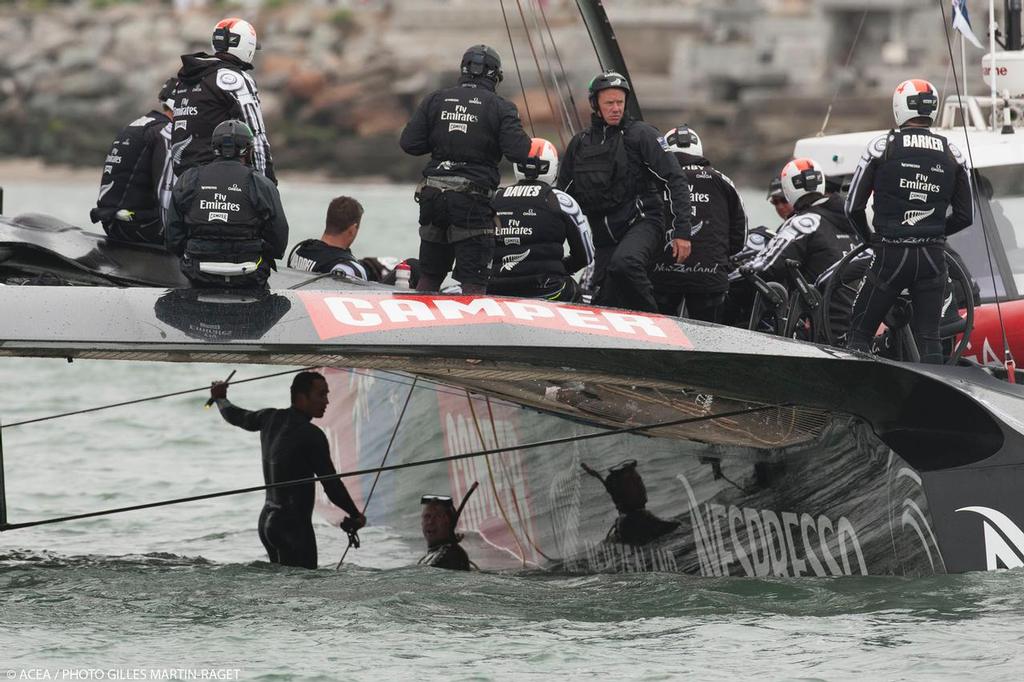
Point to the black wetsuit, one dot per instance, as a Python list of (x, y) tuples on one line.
[(618, 174), (293, 448), (466, 129), (315, 255), (448, 555), (915, 176)]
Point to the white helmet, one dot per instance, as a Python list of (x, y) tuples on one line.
[(236, 37), (913, 98), (684, 140), (801, 177), (542, 164)]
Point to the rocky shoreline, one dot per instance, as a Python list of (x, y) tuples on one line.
[(337, 85)]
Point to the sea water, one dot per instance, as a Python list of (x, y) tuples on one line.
[(185, 592)]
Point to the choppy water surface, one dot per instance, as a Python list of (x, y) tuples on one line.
[(186, 589)]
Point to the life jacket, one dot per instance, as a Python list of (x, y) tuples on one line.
[(128, 181), (313, 255), (602, 181), (530, 237), (464, 129), (223, 224), (913, 185)]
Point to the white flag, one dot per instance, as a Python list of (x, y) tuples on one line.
[(962, 23)]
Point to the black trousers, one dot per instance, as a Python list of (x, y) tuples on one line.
[(621, 271), (699, 305), (555, 288), (288, 538), (920, 269), (455, 228)]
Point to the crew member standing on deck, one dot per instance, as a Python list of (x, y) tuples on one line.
[(916, 176), (216, 88), (293, 449), (133, 188), (535, 222), (618, 170), (226, 222), (719, 229), (466, 129)]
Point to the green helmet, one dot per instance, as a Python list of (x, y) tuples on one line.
[(231, 139)]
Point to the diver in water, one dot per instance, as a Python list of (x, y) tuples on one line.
[(618, 169), (213, 88), (136, 176), (293, 449), (466, 129), (225, 221), (535, 221), (718, 230), (438, 519), (916, 176), (635, 525)]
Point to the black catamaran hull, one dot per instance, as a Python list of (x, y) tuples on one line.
[(769, 457)]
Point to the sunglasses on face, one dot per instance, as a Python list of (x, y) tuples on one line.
[(439, 499)]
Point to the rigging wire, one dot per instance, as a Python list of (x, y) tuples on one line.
[(396, 467), (563, 108), (976, 195), (849, 57), (561, 67), (387, 452), (519, 74), (540, 74)]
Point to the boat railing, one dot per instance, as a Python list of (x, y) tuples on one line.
[(978, 111)]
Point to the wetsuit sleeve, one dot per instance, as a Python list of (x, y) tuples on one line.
[(738, 224), (320, 460), (415, 138), (665, 169), (962, 202), (243, 419), (515, 143), (577, 234), (862, 185), (567, 165), (242, 88), (158, 159), (275, 230), (790, 243), (176, 232)]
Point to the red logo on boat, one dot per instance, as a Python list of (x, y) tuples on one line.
[(342, 314)]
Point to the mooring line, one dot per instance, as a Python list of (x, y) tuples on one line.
[(395, 467)]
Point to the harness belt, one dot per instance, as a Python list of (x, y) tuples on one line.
[(448, 183), (222, 269)]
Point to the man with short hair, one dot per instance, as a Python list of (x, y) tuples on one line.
[(466, 129), (134, 187), (618, 170), (333, 251), (438, 519), (293, 449)]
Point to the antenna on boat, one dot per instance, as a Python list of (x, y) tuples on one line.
[(3, 489)]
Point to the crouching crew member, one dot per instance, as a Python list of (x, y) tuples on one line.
[(466, 129), (535, 221), (226, 222), (137, 169), (718, 230), (618, 169), (915, 176), (777, 198)]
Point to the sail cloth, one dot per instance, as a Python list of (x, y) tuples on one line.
[(962, 23)]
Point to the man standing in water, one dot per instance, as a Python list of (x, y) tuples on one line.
[(438, 519), (293, 449)]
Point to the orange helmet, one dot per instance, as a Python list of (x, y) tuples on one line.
[(914, 98), (800, 177), (542, 164)]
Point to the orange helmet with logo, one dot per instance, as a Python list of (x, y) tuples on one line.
[(236, 37), (914, 98), (801, 177), (541, 165)]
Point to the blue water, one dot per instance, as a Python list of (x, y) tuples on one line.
[(186, 589)]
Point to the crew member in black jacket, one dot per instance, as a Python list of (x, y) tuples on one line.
[(915, 176), (535, 222), (618, 170), (216, 88), (293, 449), (225, 221), (718, 230), (135, 175), (466, 129)]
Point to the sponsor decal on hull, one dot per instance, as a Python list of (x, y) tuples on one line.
[(1004, 540), (733, 540), (335, 315)]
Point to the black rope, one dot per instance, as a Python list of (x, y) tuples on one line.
[(849, 57), (540, 75), (974, 185), (396, 467), (147, 399), (561, 66), (519, 74)]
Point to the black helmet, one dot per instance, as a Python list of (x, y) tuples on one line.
[(231, 139), (775, 188), (481, 61), (166, 95), (607, 81)]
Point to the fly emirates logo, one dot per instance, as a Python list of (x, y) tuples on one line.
[(335, 315)]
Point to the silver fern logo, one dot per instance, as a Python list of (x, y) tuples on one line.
[(914, 217), (510, 261)]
